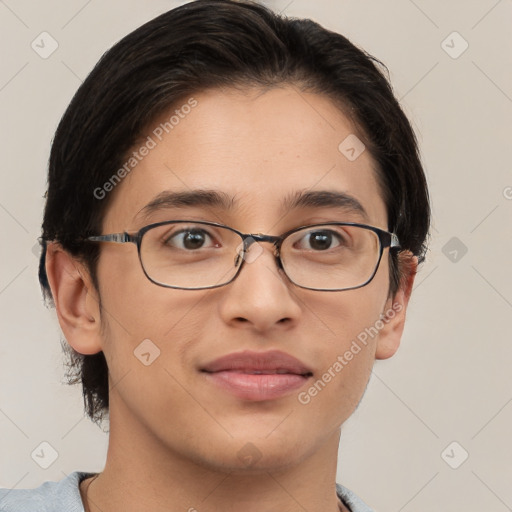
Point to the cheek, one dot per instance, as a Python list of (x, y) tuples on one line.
[(133, 302), (149, 335), (342, 316), (342, 326), (140, 317)]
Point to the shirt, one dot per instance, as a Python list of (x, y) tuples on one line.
[(64, 496)]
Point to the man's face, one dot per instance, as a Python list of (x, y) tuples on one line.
[(260, 149)]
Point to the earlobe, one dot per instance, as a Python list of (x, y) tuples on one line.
[(395, 309), (75, 300)]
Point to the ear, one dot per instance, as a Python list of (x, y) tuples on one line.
[(395, 308), (75, 298)]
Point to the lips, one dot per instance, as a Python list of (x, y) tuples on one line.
[(257, 376)]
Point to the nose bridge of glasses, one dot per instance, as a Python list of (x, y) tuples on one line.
[(259, 237), (245, 253)]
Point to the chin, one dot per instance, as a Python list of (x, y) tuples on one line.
[(253, 455)]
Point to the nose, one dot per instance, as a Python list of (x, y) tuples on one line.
[(261, 297)]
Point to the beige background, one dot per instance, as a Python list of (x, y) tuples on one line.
[(451, 379)]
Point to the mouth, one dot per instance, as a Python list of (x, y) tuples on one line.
[(280, 371), (257, 376)]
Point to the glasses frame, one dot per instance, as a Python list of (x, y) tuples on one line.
[(386, 239)]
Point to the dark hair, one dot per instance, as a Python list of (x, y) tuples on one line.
[(202, 45)]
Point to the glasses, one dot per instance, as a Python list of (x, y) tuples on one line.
[(191, 255)]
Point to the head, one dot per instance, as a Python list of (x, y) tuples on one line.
[(227, 97)]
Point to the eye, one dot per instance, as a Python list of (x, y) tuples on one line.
[(321, 240), (190, 239)]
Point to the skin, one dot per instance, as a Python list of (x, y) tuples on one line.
[(174, 438)]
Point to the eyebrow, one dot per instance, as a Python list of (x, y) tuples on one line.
[(222, 201), (193, 198), (324, 199)]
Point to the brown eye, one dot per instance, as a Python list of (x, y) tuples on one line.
[(190, 239), (320, 240)]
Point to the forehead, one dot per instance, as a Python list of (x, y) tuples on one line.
[(258, 149)]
